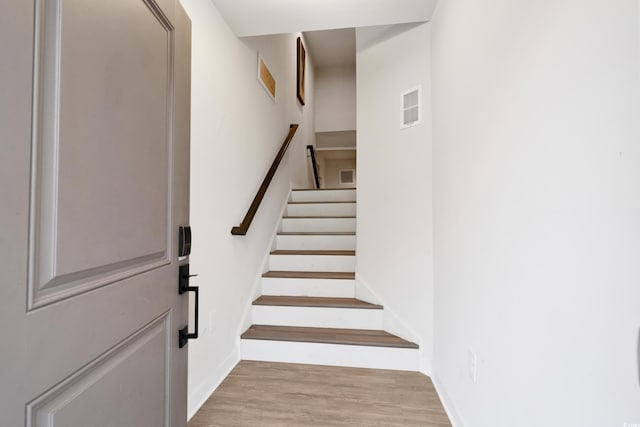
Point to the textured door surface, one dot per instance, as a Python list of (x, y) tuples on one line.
[(94, 181)]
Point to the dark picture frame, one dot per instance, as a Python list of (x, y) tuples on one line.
[(302, 56)]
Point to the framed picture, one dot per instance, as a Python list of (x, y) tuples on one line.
[(265, 78), (301, 68)]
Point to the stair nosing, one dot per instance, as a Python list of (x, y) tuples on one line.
[(310, 274), (322, 203), (311, 252), (320, 217), (320, 302), (316, 233), (402, 344), (322, 189)]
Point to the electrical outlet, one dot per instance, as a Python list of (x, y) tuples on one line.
[(473, 366)]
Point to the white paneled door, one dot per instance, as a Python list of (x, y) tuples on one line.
[(94, 181)]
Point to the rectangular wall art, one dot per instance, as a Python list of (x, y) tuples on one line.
[(265, 78), (301, 68)]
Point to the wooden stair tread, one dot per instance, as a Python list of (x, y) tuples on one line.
[(320, 217), (317, 233), (310, 274), (321, 189), (298, 301), (362, 337), (321, 203), (312, 252)]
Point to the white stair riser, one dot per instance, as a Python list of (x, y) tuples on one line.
[(318, 225), (338, 243), (317, 317), (342, 263), (322, 209), (402, 359), (339, 288), (324, 196)]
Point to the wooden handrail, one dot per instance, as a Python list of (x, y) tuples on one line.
[(315, 165), (242, 229)]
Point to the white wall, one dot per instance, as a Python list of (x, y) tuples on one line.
[(236, 131), (537, 210), (335, 98), (394, 181)]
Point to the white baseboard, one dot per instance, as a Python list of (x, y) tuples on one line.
[(363, 290), (425, 362), (449, 407), (198, 397), (393, 323)]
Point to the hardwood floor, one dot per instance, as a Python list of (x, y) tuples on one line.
[(260, 394)]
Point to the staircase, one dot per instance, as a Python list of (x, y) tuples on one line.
[(308, 312)]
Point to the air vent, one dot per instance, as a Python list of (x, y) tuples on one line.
[(411, 107), (347, 176)]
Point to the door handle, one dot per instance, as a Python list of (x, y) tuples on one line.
[(183, 286)]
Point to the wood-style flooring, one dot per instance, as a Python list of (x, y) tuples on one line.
[(258, 394), (313, 252), (297, 301), (368, 337), (310, 274)]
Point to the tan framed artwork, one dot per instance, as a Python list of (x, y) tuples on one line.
[(266, 78), (301, 70)]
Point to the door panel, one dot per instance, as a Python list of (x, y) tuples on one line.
[(94, 133), (98, 386), (102, 134)]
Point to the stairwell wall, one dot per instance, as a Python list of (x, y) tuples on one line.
[(236, 132), (537, 211), (394, 229), (336, 98)]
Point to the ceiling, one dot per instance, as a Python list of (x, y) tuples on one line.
[(261, 17), (332, 48)]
